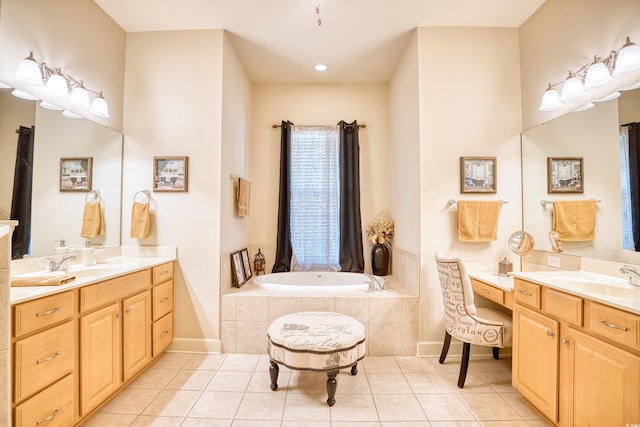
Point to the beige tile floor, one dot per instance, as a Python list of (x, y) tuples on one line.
[(225, 390)]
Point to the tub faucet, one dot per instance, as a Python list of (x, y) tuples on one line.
[(63, 264), (634, 275), (376, 283)]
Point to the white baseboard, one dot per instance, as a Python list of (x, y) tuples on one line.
[(193, 345), (434, 348)]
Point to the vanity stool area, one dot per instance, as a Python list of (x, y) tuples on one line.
[(316, 341)]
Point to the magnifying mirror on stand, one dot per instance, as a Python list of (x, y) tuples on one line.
[(521, 243)]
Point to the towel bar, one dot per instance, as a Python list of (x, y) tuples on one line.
[(549, 202), (452, 202)]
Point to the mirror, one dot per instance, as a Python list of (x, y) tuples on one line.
[(521, 243), (593, 135), (57, 215)]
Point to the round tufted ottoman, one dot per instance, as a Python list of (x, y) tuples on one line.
[(316, 341)]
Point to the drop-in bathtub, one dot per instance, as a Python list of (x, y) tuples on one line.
[(314, 281)]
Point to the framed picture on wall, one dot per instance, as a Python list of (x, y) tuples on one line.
[(76, 173), (237, 270), (170, 173), (478, 174), (565, 175), (246, 264)]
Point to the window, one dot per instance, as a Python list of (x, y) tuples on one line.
[(627, 214), (315, 197)]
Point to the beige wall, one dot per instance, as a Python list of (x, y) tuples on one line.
[(563, 35), (469, 106), (173, 107), (317, 104)]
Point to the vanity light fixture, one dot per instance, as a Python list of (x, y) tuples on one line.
[(596, 73), (58, 87), (321, 67)]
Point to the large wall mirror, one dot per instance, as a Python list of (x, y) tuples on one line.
[(57, 215), (593, 135)]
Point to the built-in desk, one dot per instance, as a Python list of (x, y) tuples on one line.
[(491, 286)]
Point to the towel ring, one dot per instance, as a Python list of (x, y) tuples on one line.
[(146, 193), (96, 196)]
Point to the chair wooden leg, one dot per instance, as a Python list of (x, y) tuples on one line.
[(496, 353), (466, 349), (445, 347)]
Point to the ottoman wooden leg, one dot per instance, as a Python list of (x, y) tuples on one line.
[(332, 385), (274, 369), (354, 369)]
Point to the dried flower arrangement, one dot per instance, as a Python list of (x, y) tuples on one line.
[(380, 230)]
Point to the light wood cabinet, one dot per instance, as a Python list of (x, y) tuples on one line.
[(136, 332), (162, 330), (575, 360), (54, 407)]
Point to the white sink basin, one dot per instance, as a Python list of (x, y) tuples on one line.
[(83, 271), (591, 283)]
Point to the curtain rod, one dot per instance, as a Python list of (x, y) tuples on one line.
[(275, 125)]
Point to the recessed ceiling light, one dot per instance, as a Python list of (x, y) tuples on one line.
[(321, 67)]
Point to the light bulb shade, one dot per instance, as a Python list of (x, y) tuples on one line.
[(57, 86), (614, 95), (99, 107), (550, 100), (628, 59), (80, 97), (571, 88), (585, 107), (4, 86), (597, 75), (23, 95), (71, 114), (50, 106), (631, 87), (29, 71)]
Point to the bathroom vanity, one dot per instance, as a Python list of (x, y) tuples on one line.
[(77, 344), (576, 347)]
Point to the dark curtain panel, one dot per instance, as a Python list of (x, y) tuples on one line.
[(634, 172), (21, 201), (283, 248), (351, 253)]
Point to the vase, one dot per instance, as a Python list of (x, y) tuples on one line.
[(380, 259)]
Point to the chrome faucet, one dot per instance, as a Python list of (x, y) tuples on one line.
[(376, 284), (634, 275), (63, 264)]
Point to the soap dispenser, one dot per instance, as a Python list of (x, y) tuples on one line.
[(88, 254), (62, 248)]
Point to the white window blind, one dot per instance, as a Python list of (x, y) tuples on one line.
[(315, 197), (627, 215)]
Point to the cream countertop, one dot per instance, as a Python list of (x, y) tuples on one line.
[(502, 282)]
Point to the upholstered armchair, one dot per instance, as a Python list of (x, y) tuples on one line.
[(463, 320)]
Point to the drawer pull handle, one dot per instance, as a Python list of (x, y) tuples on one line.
[(162, 273), (529, 294), (46, 313), (486, 291), (52, 415), (611, 325), (164, 333), (550, 334), (46, 359), (165, 299)]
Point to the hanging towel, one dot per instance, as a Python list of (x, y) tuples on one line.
[(140, 220), (243, 196), (92, 222), (575, 220), (478, 220)]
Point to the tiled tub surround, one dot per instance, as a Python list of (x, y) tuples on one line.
[(389, 316)]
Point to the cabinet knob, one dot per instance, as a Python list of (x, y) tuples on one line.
[(550, 334), (119, 315), (564, 341), (129, 310)]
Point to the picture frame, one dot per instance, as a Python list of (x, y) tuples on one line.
[(76, 173), (170, 173), (478, 174), (565, 175), (237, 270), (246, 264)]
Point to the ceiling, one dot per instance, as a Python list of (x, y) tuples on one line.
[(279, 41)]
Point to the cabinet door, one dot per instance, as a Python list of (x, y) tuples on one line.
[(535, 359), (136, 334), (602, 383), (100, 356)]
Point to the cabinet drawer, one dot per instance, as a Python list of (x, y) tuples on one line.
[(42, 359), (51, 408), (33, 315), (162, 334), (614, 324), (162, 273), (526, 293), (162, 299), (103, 293), (563, 306), (487, 291)]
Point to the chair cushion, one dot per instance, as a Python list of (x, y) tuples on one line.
[(494, 315)]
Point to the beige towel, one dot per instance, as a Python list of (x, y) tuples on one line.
[(478, 220), (243, 197), (92, 222), (575, 220), (140, 221), (42, 280)]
